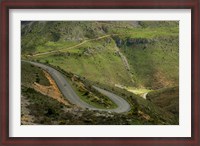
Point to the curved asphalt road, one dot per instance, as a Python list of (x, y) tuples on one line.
[(69, 93)]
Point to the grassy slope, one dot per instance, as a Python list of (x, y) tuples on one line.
[(167, 98), (152, 53), (50, 111), (93, 61), (151, 50), (158, 114), (31, 74), (153, 67), (43, 34)]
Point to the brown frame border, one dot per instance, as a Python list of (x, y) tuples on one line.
[(194, 5)]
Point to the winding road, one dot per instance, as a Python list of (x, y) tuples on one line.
[(69, 93)]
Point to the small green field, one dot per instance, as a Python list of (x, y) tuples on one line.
[(137, 91)]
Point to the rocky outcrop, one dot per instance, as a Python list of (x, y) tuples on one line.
[(136, 41)]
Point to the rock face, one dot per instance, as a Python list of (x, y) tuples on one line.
[(125, 61), (131, 41), (51, 91)]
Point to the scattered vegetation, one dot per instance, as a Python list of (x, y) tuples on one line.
[(87, 93), (157, 114), (50, 112), (31, 74), (153, 55), (166, 98), (150, 50), (97, 63)]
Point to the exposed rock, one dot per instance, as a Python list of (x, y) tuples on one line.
[(51, 91)]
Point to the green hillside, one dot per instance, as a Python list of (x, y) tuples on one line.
[(50, 35), (47, 110), (114, 55), (91, 49), (31, 74), (153, 53), (96, 59), (91, 61), (166, 98)]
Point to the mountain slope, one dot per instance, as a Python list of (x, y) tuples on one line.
[(94, 49), (112, 55), (167, 98), (153, 53)]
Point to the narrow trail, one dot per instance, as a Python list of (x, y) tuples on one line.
[(72, 47)]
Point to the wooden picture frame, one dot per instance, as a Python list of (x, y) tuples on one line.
[(6, 5)]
